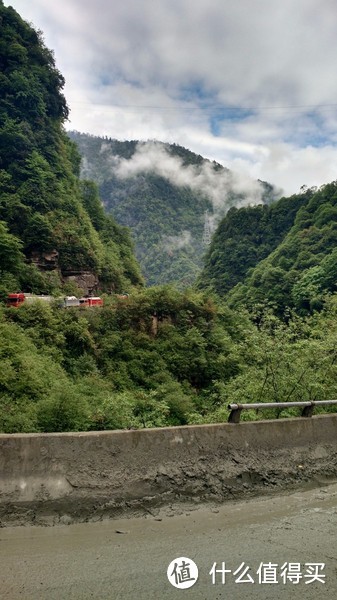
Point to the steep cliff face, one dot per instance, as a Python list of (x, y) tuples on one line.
[(42, 203)]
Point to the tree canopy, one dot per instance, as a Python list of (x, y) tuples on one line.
[(42, 202)]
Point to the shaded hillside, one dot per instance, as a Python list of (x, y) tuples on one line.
[(52, 227), (161, 191), (295, 264), (244, 238)]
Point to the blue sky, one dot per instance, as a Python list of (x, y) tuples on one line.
[(249, 83)]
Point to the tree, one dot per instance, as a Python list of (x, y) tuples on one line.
[(11, 256)]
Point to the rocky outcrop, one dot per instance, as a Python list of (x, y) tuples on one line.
[(85, 280), (49, 261), (45, 261)]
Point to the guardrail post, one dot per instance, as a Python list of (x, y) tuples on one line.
[(234, 415), (308, 411)]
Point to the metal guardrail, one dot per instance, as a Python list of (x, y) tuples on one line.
[(307, 407)]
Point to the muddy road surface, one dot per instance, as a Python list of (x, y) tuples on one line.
[(275, 545)]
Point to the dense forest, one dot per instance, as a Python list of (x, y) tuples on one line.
[(244, 238), (158, 357), (162, 191), (282, 256), (263, 329), (49, 219)]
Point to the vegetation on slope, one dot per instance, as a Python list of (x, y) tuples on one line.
[(244, 238), (282, 256), (159, 356), (161, 204), (42, 205)]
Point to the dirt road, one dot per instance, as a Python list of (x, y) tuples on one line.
[(128, 559)]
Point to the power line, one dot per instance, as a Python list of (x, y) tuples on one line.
[(209, 107)]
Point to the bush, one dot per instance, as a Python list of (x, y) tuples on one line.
[(64, 410)]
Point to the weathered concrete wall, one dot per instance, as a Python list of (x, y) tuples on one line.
[(52, 478)]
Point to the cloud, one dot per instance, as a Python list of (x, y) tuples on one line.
[(296, 167), (173, 70), (170, 243), (216, 185), (241, 51)]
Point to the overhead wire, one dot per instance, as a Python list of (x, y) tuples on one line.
[(210, 107)]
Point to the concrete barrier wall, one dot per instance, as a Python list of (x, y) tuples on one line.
[(51, 478)]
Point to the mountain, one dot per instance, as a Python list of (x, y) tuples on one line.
[(157, 356), (162, 192), (244, 238), (283, 255), (142, 359), (53, 230)]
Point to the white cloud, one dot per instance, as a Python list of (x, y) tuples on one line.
[(188, 58), (215, 185), (295, 167), (170, 243)]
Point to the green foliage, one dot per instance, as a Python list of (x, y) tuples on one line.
[(92, 204), (142, 360), (157, 357), (244, 238), (166, 220), (34, 281), (21, 375), (42, 325), (11, 257), (281, 256), (64, 409), (283, 363), (42, 202)]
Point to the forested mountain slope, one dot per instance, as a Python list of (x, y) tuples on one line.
[(244, 238), (283, 255), (141, 360), (161, 191), (157, 356), (52, 226)]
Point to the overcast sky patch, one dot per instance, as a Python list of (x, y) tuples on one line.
[(249, 84)]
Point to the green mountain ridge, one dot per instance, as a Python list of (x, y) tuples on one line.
[(47, 234), (140, 360), (283, 255), (162, 192), (156, 357)]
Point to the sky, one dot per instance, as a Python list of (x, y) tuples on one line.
[(249, 83)]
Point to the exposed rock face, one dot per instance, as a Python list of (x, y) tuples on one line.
[(46, 261), (86, 280), (157, 320)]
